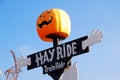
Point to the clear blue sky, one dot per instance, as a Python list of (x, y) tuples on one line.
[(18, 33)]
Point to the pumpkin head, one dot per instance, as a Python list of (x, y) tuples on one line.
[(53, 23)]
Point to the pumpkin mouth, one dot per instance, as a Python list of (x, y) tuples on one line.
[(45, 22)]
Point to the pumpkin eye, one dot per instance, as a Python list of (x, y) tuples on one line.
[(48, 12)]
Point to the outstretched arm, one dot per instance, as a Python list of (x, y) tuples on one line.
[(22, 61), (95, 37)]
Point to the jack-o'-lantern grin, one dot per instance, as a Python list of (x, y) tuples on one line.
[(45, 22)]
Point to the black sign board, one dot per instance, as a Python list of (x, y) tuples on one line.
[(56, 58)]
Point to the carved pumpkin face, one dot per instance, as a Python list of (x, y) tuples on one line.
[(53, 23)]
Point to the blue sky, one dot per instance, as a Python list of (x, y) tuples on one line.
[(18, 33)]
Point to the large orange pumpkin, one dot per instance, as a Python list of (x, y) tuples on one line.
[(53, 23)]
